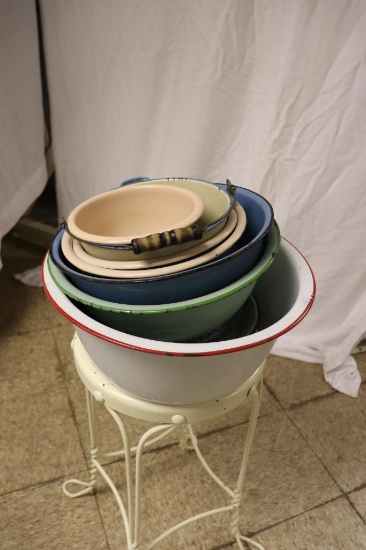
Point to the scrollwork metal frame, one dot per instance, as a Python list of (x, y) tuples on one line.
[(188, 441)]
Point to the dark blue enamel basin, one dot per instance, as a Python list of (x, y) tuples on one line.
[(187, 284)]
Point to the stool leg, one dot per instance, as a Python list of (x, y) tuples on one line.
[(190, 441), (255, 395), (185, 441), (88, 486), (131, 515)]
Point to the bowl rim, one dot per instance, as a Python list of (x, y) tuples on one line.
[(195, 212), (162, 271), (252, 321), (267, 257), (218, 205), (299, 310), (160, 261), (221, 186), (199, 268)]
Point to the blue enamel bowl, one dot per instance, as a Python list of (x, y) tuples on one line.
[(186, 284)]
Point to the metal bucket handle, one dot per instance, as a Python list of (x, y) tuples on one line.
[(156, 241)]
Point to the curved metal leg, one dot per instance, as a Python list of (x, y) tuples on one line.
[(189, 441), (255, 396), (131, 515), (88, 486)]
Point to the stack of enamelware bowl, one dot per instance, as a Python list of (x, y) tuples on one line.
[(172, 260), (171, 267)]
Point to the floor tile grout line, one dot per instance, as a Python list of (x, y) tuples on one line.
[(348, 496), (51, 481), (300, 403), (271, 392), (228, 544), (38, 484), (69, 400), (87, 458), (315, 399), (25, 333), (358, 488), (252, 534), (312, 400), (220, 547), (242, 423), (96, 500), (354, 507), (318, 398), (150, 451), (290, 518), (344, 493)]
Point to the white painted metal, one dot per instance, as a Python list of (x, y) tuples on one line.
[(169, 417)]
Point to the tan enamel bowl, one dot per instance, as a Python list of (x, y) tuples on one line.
[(121, 215), (206, 255), (175, 256), (215, 204)]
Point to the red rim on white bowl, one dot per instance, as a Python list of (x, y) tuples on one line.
[(188, 373)]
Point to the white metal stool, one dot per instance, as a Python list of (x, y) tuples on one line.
[(102, 389)]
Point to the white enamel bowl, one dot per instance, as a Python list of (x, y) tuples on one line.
[(215, 202), (121, 215), (186, 373)]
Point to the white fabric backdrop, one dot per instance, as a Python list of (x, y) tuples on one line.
[(23, 172), (268, 94)]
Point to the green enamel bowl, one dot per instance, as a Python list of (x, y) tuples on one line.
[(178, 321)]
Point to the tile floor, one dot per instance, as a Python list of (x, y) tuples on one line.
[(306, 482)]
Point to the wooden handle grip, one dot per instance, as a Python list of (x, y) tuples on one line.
[(156, 241)]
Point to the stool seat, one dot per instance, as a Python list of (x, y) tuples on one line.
[(104, 390)]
